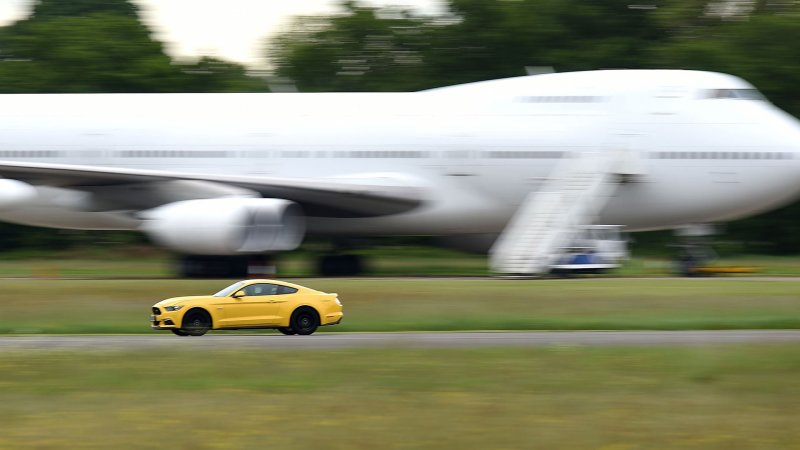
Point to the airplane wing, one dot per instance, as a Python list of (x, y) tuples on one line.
[(320, 197)]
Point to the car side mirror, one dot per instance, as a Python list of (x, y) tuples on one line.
[(239, 294)]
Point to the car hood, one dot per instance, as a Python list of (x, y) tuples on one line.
[(180, 300)]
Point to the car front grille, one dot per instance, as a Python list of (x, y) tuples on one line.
[(156, 311)]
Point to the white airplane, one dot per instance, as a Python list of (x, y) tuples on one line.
[(529, 158)]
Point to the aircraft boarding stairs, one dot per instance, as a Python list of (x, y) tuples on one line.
[(550, 218)]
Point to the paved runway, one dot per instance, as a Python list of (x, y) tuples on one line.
[(408, 340)]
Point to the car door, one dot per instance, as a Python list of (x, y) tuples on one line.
[(258, 307)]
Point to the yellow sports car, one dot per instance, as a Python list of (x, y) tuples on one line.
[(290, 308)]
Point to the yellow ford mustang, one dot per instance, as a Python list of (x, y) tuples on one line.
[(290, 308)]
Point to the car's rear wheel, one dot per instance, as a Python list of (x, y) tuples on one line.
[(196, 322), (287, 331), (305, 321), (179, 332)]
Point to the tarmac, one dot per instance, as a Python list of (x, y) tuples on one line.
[(333, 340)]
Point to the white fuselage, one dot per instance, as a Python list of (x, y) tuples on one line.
[(477, 150)]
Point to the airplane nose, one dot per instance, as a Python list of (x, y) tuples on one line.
[(784, 136), (779, 137), (793, 149), (795, 159), (793, 141)]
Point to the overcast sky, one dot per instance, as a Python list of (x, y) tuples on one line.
[(229, 29)]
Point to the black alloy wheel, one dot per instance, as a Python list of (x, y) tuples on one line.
[(287, 331), (305, 321), (196, 323), (179, 332)]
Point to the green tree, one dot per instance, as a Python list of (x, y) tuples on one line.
[(101, 46), (101, 52), (367, 48), (48, 9), (498, 39), (364, 49), (215, 75), (762, 49)]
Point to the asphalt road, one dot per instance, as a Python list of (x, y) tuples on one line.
[(408, 340)]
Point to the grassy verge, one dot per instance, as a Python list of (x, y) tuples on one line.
[(743, 397), (105, 306), (291, 265), (411, 261)]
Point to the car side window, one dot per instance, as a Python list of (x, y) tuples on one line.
[(286, 290), (261, 289), (268, 289)]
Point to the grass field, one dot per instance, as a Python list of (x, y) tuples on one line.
[(123, 306), (413, 261), (725, 397), (559, 397)]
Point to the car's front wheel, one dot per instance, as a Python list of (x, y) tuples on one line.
[(305, 321), (179, 332), (287, 331), (196, 322)]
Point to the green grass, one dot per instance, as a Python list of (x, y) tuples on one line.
[(122, 306), (393, 261), (707, 397), (292, 265)]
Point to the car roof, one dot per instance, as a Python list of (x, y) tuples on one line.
[(271, 281)]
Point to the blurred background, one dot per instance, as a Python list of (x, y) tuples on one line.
[(83, 46), (562, 396)]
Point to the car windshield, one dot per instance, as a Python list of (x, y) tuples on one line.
[(230, 289)]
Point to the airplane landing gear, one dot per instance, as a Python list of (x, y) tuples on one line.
[(340, 265), (204, 266), (694, 249)]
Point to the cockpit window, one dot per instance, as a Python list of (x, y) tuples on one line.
[(737, 94)]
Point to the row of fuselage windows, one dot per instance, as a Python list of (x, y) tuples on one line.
[(173, 154), (31, 154), (360, 154), (389, 154), (561, 99), (723, 155), (738, 94)]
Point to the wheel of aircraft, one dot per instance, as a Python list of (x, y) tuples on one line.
[(206, 266), (203, 266), (340, 265)]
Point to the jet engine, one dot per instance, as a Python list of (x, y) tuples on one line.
[(226, 226), (15, 193)]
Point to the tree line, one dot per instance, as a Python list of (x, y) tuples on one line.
[(374, 49), (103, 46)]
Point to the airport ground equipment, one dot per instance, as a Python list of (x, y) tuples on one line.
[(596, 249), (551, 219)]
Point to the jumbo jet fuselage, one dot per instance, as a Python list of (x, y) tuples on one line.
[(703, 147)]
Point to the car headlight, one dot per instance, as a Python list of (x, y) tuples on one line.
[(173, 308), (337, 301)]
